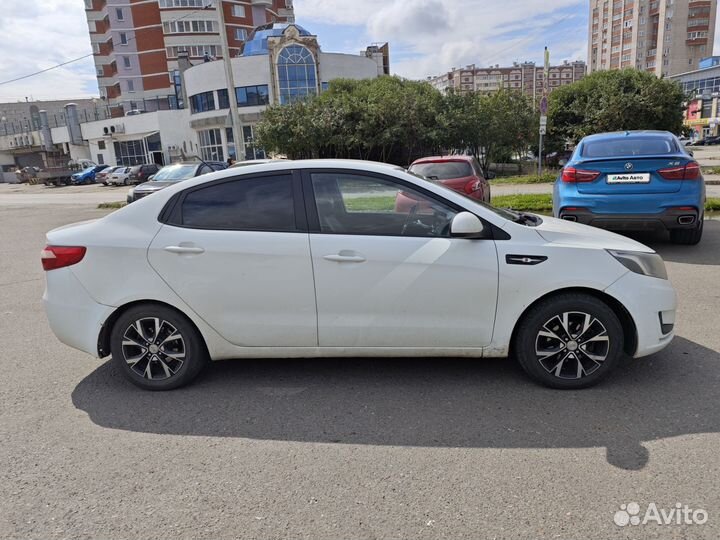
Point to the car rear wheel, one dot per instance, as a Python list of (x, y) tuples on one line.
[(688, 237), (569, 341), (157, 348)]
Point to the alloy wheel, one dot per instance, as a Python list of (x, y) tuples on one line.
[(153, 348), (572, 345)]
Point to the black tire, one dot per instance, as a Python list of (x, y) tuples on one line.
[(560, 370), (688, 237), (125, 182), (163, 367)]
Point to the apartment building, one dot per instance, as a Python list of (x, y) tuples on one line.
[(664, 37), (526, 77), (136, 43)]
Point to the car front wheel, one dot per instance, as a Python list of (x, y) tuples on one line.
[(157, 348), (569, 341)]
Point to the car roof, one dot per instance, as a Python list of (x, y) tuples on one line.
[(442, 159), (625, 134)]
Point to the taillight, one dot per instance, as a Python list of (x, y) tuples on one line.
[(573, 175), (473, 186), (691, 171), (54, 257)]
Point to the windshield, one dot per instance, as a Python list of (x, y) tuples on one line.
[(445, 170), (175, 173), (628, 146)]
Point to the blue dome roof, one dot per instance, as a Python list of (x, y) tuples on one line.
[(257, 45)]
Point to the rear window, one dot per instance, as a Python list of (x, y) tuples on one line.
[(443, 171), (630, 146)]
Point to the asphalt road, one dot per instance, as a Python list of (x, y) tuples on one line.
[(350, 448)]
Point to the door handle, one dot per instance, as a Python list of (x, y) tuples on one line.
[(185, 250), (345, 258)]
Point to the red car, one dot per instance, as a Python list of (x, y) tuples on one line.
[(460, 173)]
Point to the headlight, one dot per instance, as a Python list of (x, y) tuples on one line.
[(131, 192), (646, 264)]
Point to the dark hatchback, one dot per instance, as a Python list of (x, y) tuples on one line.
[(142, 173), (172, 174)]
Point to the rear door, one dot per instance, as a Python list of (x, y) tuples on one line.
[(237, 252)]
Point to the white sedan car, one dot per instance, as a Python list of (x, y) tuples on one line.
[(120, 176), (314, 259)]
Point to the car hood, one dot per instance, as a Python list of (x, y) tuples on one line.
[(560, 231), (154, 186)]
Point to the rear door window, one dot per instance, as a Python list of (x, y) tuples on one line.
[(253, 204)]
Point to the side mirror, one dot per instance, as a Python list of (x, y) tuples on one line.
[(466, 225)]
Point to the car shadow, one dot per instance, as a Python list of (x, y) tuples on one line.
[(423, 402)]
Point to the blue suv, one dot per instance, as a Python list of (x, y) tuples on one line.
[(633, 181)]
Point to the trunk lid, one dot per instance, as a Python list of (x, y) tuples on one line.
[(631, 165)]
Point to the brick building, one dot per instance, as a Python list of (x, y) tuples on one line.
[(136, 43), (527, 77), (665, 37)]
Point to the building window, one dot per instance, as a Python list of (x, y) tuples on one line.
[(100, 71), (183, 27), (131, 86), (194, 51), (123, 38), (126, 61), (223, 99), (238, 11), (211, 148), (240, 34), (119, 14), (129, 153), (182, 3), (251, 151), (100, 159), (101, 145), (296, 74), (202, 102), (251, 96)]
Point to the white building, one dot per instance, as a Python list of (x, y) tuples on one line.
[(280, 63)]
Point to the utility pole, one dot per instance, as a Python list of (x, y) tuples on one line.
[(230, 78), (543, 108)]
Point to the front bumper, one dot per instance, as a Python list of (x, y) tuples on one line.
[(651, 303), (672, 218)]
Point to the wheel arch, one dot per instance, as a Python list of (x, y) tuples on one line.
[(630, 335), (103, 345)]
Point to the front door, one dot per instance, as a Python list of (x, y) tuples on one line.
[(387, 272), (237, 253)]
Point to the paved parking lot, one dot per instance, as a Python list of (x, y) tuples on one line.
[(357, 449)]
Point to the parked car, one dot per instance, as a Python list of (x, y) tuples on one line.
[(87, 175), (635, 180), (304, 259), (120, 177), (460, 173), (103, 176), (142, 173), (172, 174)]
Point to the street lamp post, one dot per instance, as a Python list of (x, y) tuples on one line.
[(230, 78)]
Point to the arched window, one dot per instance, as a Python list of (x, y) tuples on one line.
[(296, 74)]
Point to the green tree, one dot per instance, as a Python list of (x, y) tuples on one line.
[(604, 101)]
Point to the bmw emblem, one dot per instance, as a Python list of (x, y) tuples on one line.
[(628, 166)]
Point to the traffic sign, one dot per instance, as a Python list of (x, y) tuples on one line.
[(543, 130), (543, 121)]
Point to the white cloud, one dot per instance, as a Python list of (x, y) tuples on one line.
[(37, 34), (434, 35)]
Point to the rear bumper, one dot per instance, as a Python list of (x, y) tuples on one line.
[(651, 303), (672, 218), (74, 316)]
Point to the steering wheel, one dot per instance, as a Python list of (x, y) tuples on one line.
[(413, 212)]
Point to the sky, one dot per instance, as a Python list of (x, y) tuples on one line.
[(427, 37)]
